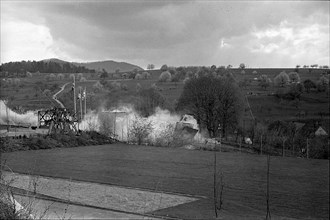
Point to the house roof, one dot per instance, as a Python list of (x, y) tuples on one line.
[(320, 131)]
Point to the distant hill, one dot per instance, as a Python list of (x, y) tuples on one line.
[(109, 65), (55, 60)]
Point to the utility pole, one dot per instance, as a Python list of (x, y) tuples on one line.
[(80, 100), (74, 95), (85, 97), (219, 128), (6, 102)]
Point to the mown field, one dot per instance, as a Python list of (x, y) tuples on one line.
[(299, 188)]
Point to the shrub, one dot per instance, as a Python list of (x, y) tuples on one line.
[(145, 75), (309, 84), (79, 76), (115, 85), (186, 80), (165, 77), (294, 77), (72, 76), (17, 81), (140, 129), (46, 92), (51, 77), (138, 76), (97, 87), (28, 74), (254, 72), (138, 87), (124, 87), (60, 76), (164, 68), (281, 79), (165, 137)]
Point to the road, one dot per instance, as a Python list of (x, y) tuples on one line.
[(55, 98)]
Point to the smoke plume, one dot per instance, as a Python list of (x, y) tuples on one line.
[(9, 116)]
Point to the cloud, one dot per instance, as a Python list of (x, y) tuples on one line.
[(176, 32), (25, 41)]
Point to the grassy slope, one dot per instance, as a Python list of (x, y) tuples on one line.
[(312, 103), (299, 188)]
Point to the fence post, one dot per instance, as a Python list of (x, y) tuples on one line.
[(307, 150)]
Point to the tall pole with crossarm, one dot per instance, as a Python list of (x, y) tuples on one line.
[(74, 95)]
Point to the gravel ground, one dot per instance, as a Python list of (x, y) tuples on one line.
[(100, 195)]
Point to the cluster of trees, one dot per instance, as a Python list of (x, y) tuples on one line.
[(147, 101), (314, 66), (288, 138), (171, 74), (42, 66), (215, 102)]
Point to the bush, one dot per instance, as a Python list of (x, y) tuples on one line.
[(28, 74), (115, 85), (51, 77), (164, 68), (281, 79), (145, 75), (72, 76), (138, 76), (294, 77), (138, 87), (165, 137), (97, 87), (124, 87), (309, 84), (140, 129), (16, 81), (60, 76), (79, 76), (54, 141), (165, 77), (47, 92)]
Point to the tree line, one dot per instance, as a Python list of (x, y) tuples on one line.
[(23, 67)]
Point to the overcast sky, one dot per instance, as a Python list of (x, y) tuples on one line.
[(176, 33)]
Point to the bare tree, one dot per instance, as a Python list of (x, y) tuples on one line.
[(140, 129), (212, 101)]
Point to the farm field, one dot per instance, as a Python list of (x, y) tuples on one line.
[(302, 185)]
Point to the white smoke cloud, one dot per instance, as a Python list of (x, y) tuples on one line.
[(8, 115), (118, 121), (115, 122)]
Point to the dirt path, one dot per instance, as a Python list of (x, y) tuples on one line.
[(55, 98)]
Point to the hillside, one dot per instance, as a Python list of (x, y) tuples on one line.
[(109, 65)]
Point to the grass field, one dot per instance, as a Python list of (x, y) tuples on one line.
[(299, 188)]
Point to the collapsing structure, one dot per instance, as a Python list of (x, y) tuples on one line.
[(186, 128), (58, 120)]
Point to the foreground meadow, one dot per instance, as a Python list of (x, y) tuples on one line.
[(299, 188)]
